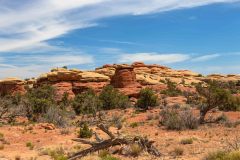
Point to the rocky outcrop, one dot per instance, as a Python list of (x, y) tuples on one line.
[(72, 81), (124, 77), (125, 80), (63, 87), (129, 79), (12, 86)]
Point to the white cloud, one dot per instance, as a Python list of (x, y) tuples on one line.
[(33, 65), (153, 58), (26, 23), (205, 57)]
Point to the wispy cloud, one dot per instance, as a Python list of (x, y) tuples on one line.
[(119, 42), (33, 65), (205, 57), (153, 58), (26, 23)]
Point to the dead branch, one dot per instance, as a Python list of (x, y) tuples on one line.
[(105, 129), (144, 143)]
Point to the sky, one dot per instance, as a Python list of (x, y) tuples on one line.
[(199, 35)]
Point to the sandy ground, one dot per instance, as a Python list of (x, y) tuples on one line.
[(206, 138)]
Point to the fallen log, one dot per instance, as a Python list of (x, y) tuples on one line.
[(144, 143)]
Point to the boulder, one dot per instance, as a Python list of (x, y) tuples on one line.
[(124, 77), (12, 86)]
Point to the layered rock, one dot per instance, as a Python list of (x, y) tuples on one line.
[(125, 80), (12, 86), (129, 79), (72, 81)]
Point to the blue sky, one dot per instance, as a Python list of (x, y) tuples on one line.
[(200, 35)]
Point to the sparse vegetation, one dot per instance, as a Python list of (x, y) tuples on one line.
[(187, 141), (214, 97), (86, 103), (174, 119), (172, 89), (85, 132), (147, 99), (111, 98), (178, 151), (134, 150), (30, 145), (223, 155)]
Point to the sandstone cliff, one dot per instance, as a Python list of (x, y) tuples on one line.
[(129, 79)]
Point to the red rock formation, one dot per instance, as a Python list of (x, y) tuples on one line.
[(63, 87), (125, 80), (79, 87), (11, 86), (124, 77)]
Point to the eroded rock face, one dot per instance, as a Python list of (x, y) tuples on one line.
[(12, 86), (63, 87), (125, 80), (129, 79), (124, 77), (72, 81)]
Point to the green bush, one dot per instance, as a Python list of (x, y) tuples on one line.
[(214, 96), (223, 155), (172, 89), (85, 132), (187, 141), (111, 98), (38, 100), (109, 157), (147, 99), (86, 103), (105, 155)]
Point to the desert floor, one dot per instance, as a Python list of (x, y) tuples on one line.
[(207, 138)]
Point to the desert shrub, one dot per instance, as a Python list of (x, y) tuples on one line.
[(109, 157), (171, 119), (103, 153), (187, 141), (86, 103), (189, 120), (85, 132), (147, 99), (10, 109), (117, 120), (56, 116), (192, 98), (57, 154), (134, 150), (39, 100), (174, 119), (223, 155), (65, 102), (134, 124), (30, 145), (111, 98), (65, 131), (172, 89), (222, 118), (178, 151), (212, 97)]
